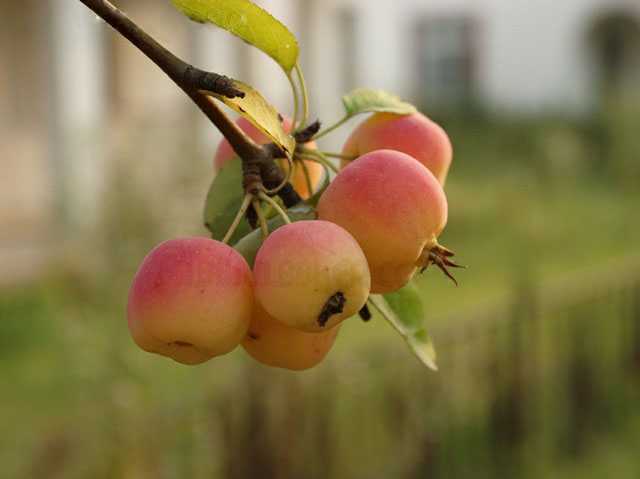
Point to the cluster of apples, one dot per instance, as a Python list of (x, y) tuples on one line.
[(377, 223)]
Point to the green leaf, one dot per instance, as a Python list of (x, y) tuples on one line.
[(366, 100), (250, 244), (261, 113), (249, 22), (404, 310), (408, 306), (224, 200)]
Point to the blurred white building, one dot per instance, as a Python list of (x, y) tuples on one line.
[(74, 93), (512, 56)]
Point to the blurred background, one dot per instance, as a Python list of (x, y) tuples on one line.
[(539, 348)]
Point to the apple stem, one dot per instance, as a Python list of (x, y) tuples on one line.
[(314, 155), (296, 100), (267, 199), (305, 96), (236, 222), (307, 177), (339, 156), (261, 218), (332, 127)]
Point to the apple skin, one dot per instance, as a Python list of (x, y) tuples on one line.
[(393, 206), (191, 300), (416, 135), (224, 153), (272, 343), (301, 266)]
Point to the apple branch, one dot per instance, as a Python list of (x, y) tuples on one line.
[(189, 78), (258, 160)]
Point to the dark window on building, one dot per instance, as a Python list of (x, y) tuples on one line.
[(446, 66), (614, 40), (347, 22)]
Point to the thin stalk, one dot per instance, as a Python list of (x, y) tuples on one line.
[(339, 156), (236, 221), (329, 129), (266, 198), (315, 155), (327, 180), (296, 101), (305, 96), (307, 177), (261, 218)]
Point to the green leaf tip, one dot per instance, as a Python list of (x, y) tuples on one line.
[(249, 22), (367, 100)]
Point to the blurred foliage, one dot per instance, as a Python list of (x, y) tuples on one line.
[(539, 348)]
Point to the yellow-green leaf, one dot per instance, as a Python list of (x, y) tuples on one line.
[(248, 21), (261, 113), (366, 100)]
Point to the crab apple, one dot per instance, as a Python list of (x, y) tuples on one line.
[(311, 275), (416, 135), (191, 300), (396, 209), (272, 343), (225, 153)]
